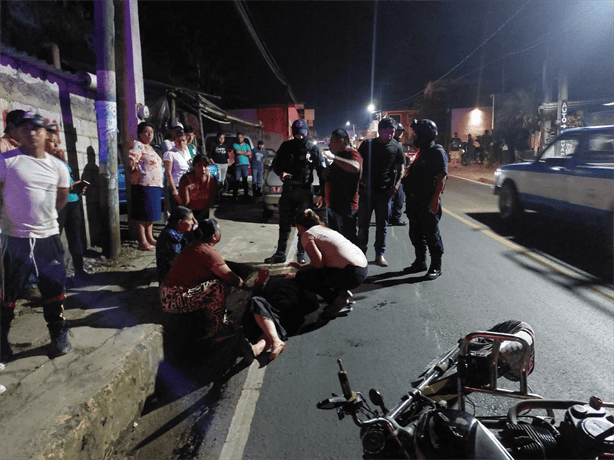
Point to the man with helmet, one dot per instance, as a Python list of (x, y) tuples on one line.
[(294, 163), (423, 185), (383, 163)]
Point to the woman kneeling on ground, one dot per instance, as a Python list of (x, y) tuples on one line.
[(195, 289), (172, 240), (336, 264)]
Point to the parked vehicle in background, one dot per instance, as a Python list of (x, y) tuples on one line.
[(271, 192), (573, 179)]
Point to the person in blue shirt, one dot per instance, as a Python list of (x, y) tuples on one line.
[(243, 153), (258, 156)]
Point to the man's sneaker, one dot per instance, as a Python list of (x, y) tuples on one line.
[(379, 260), (277, 258), (397, 223), (60, 345), (434, 272), (300, 258), (417, 267)]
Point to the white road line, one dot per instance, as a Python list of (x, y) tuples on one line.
[(599, 290), (471, 180), (242, 418), (241, 423)]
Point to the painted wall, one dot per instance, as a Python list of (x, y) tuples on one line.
[(60, 98), (472, 121)]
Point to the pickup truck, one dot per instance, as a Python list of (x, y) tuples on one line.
[(573, 179)]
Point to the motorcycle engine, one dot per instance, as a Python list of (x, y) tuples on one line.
[(526, 441)]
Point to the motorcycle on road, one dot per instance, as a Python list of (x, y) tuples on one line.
[(431, 420)]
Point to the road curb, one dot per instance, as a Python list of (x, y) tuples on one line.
[(85, 402)]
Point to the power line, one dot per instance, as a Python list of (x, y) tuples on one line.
[(268, 57), (469, 55)]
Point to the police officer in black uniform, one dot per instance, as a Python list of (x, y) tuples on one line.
[(423, 185), (294, 163)]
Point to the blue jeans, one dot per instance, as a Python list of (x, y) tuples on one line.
[(241, 171), (343, 223), (257, 173), (397, 205), (381, 202)]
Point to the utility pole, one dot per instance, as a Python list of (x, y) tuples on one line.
[(130, 85), (106, 116)]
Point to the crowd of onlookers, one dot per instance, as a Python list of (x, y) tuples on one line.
[(41, 197)]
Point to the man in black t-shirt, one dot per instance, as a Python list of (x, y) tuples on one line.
[(218, 153), (382, 169), (423, 185), (341, 188)]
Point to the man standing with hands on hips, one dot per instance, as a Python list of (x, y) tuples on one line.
[(294, 163), (423, 185)]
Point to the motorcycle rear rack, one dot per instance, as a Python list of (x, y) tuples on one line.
[(497, 338)]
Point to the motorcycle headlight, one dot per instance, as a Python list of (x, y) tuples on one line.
[(373, 440)]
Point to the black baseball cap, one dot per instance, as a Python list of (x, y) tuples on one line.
[(341, 133), (34, 119), (300, 127), (400, 127)]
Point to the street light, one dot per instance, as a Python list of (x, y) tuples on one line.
[(353, 127)]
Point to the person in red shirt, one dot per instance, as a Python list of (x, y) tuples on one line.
[(341, 188), (196, 287), (197, 188)]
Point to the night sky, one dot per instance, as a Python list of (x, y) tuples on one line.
[(324, 49)]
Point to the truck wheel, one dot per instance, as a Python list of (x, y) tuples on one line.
[(509, 206), (267, 214)]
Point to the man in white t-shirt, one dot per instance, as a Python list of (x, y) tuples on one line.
[(35, 187)]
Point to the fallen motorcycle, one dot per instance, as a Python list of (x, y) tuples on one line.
[(431, 421)]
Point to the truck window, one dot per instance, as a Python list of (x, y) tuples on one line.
[(561, 149)]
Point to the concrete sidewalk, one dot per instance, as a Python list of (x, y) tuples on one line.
[(77, 406)]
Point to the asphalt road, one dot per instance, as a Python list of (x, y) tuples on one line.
[(401, 322), (537, 272)]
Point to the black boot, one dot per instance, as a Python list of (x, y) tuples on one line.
[(60, 345), (277, 258), (434, 270), (418, 266)]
